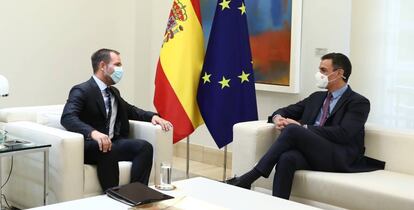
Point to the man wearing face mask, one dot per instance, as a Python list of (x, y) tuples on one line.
[(323, 132), (96, 110)]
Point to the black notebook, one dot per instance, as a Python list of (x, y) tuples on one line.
[(135, 194)]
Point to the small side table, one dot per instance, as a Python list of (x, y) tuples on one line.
[(25, 148)]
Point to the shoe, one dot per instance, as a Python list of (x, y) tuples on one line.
[(235, 181)]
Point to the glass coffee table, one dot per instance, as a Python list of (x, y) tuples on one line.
[(16, 146), (194, 193)]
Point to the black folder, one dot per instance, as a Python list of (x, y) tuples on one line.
[(136, 194)]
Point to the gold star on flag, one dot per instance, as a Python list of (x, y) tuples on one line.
[(225, 4), (242, 9), (206, 77), (244, 77), (224, 82)]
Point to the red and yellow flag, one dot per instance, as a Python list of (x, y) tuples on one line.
[(179, 67)]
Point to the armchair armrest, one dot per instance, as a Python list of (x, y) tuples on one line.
[(250, 141), (65, 165), (161, 141)]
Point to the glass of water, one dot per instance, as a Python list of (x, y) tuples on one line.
[(165, 177), (3, 136)]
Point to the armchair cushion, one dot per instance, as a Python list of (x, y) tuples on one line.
[(50, 119)]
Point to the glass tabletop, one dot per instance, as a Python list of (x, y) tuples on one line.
[(15, 144)]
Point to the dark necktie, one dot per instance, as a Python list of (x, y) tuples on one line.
[(108, 106), (325, 109)]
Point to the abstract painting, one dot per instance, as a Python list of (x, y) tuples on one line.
[(275, 29)]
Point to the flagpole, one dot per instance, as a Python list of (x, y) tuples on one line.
[(187, 172), (225, 163)]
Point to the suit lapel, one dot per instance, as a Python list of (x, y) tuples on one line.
[(98, 97), (341, 101)]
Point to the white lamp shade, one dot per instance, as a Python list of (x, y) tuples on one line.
[(4, 86)]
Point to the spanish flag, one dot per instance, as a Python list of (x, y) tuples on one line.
[(179, 67)]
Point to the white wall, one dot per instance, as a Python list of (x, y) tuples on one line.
[(382, 53), (151, 23), (46, 46), (368, 38)]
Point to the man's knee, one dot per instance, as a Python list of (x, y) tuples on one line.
[(292, 129), (292, 160), (94, 155), (109, 156), (290, 133), (147, 148), (91, 146)]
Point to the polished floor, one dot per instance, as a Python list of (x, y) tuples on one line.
[(197, 169)]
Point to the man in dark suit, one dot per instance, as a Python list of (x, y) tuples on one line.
[(96, 110), (323, 132)]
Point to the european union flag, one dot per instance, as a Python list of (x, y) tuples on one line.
[(226, 93)]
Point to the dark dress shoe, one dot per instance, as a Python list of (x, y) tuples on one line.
[(237, 182)]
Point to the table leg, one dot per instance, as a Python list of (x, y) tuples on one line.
[(1, 183), (46, 176)]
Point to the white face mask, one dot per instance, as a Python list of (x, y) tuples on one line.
[(322, 80)]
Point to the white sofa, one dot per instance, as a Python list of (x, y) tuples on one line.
[(69, 177), (392, 188)]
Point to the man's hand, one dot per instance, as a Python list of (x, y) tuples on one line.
[(165, 125), (281, 122), (104, 142), (291, 121)]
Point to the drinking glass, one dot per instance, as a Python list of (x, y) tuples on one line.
[(165, 177)]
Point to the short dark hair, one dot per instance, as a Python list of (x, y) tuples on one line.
[(340, 61), (101, 55)]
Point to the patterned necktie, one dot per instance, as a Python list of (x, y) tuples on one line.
[(108, 106), (325, 109)]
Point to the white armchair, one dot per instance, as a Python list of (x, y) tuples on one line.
[(392, 188), (69, 177)]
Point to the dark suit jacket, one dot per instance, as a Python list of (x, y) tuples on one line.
[(344, 127), (85, 111)]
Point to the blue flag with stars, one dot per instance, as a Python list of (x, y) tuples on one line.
[(226, 93)]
